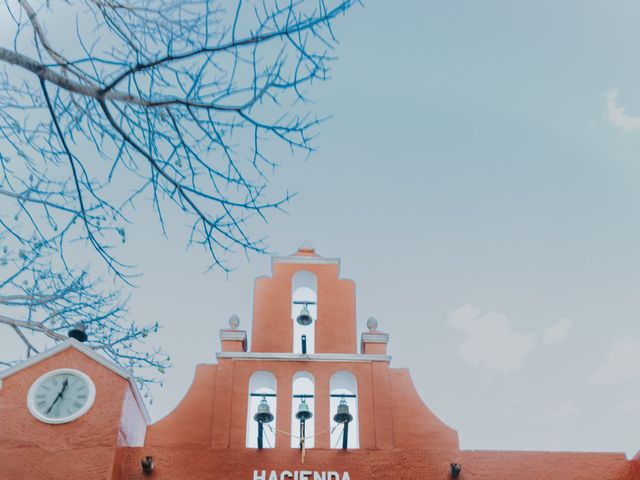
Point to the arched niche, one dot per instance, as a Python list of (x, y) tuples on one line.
[(261, 382), (303, 384), (344, 383), (304, 288)]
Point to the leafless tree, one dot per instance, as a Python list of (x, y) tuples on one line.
[(41, 306), (105, 104)]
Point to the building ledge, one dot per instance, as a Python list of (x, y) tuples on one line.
[(233, 335), (304, 357), (375, 337), (306, 260)]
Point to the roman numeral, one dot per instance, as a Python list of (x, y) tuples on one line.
[(77, 404)]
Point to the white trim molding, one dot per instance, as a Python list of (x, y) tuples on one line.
[(304, 357), (234, 335), (306, 260), (377, 337)]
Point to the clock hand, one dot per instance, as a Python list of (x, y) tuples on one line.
[(59, 396)]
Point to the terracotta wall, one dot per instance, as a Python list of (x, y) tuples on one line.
[(98, 427), (84, 448), (191, 421), (205, 464), (272, 323), (214, 411)]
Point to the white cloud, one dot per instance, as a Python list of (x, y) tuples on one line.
[(622, 363), (557, 332), (490, 341), (616, 116)]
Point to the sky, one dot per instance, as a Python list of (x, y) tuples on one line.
[(479, 178)]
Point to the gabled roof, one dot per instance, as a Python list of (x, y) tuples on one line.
[(93, 355)]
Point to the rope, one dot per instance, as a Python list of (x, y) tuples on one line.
[(339, 438), (331, 430)]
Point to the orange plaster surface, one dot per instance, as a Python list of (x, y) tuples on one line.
[(206, 464), (98, 427), (272, 323), (84, 448), (202, 418)]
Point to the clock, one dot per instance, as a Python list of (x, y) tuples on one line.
[(60, 396)]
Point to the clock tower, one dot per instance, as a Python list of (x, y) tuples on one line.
[(65, 413)]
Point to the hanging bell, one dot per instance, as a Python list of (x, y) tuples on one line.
[(303, 411), (264, 414), (78, 332), (343, 415), (305, 317)]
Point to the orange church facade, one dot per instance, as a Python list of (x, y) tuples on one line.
[(268, 412)]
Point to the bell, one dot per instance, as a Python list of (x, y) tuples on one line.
[(264, 414), (303, 411), (78, 332), (343, 415), (305, 317)]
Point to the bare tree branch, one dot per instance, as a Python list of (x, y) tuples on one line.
[(185, 107)]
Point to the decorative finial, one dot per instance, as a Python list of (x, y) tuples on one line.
[(306, 247), (372, 323), (234, 321)]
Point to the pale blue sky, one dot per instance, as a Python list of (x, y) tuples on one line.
[(472, 160), (469, 161)]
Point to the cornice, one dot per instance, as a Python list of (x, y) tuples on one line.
[(238, 335), (377, 337), (304, 260), (304, 357)]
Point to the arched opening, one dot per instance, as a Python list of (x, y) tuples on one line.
[(343, 386), (303, 389), (262, 386), (304, 288)]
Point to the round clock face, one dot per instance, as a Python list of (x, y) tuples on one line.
[(61, 396)]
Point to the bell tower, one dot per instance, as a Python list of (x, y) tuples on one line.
[(304, 297), (269, 395)]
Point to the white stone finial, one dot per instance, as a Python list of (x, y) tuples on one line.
[(306, 247), (372, 323), (234, 321)]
